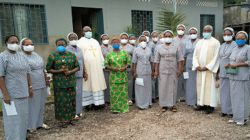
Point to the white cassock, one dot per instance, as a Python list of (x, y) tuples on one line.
[(206, 55), (93, 62)]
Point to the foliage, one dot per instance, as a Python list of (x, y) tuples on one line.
[(168, 20), (229, 2), (131, 30)]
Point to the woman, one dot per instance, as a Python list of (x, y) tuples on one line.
[(63, 65), (132, 40), (224, 54), (169, 64), (16, 87), (240, 79), (142, 70), (190, 82), (129, 49), (117, 62), (37, 102), (72, 47), (106, 48)]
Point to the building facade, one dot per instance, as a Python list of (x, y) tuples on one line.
[(45, 20)]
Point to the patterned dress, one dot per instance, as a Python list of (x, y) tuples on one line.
[(64, 86), (118, 81)]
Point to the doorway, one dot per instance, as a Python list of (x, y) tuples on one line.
[(92, 17)]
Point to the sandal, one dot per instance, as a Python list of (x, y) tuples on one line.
[(163, 109), (130, 102), (45, 126), (77, 117), (174, 109)]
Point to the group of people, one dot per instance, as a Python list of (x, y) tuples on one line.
[(124, 70)]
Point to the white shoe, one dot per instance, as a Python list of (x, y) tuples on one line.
[(240, 123), (45, 126), (231, 121)]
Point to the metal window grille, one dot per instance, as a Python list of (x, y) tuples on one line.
[(207, 20), (23, 20), (142, 20)]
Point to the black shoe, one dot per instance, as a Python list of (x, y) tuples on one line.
[(209, 110), (199, 108), (223, 115)]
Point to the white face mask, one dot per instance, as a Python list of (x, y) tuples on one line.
[(147, 38), (193, 36), (168, 40), (162, 40), (29, 48), (180, 32), (124, 41), (155, 39), (227, 38), (73, 42), (13, 47), (132, 41), (105, 42), (143, 44)]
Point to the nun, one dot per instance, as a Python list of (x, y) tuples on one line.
[(240, 79), (169, 65), (39, 84), (224, 54), (16, 87), (129, 49), (142, 73), (190, 76)]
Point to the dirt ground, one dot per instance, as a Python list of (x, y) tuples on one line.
[(148, 124)]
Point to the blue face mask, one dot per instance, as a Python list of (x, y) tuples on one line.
[(88, 35), (240, 42), (206, 35), (61, 49), (116, 46)]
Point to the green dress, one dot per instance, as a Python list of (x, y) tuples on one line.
[(118, 81), (64, 86)]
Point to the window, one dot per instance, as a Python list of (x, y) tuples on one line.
[(142, 20), (207, 20), (23, 20)]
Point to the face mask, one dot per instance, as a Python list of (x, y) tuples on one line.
[(155, 39), (180, 32), (13, 47), (124, 41), (73, 42), (227, 38), (147, 38), (206, 35), (116, 46), (105, 42), (162, 40), (143, 44), (240, 42), (88, 35), (29, 48), (168, 40), (132, 41), (61, 49), (193, 36)]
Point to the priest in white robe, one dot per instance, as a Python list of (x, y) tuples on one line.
[(93, 59), (205, 62)]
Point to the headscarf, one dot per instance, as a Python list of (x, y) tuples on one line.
[(22, 40), (193, 28), (169, 32), (141, 37), (104, 35), (181, 25), (72, 33), (145, 32), (154, 32), (230, 29), (242, 32), (124, 34)]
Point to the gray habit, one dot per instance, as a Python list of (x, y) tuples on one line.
[(168, 57)]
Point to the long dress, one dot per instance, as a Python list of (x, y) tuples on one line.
[(94, 64), (142, 59), (190, 83), (37, 102), (15, 68), (105, 51), (206, 55), (240, 84), (181, 44), (118, 81), (155, 91), (168, 58), (64, 86), (225, 97), (130, 50), (79, 76)]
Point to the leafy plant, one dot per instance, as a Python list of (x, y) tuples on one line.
[(131, 30), (168, 20)]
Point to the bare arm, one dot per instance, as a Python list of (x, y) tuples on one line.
[(6, 96)]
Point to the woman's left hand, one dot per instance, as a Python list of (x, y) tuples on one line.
[(178, 73)]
